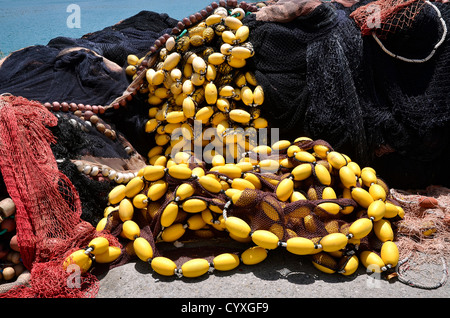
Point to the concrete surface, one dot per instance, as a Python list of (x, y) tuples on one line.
[(281, 275)]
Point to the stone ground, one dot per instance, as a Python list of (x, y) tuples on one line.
[(281, 275)]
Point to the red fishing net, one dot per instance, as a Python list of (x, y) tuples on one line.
[(386, 17), (48, 208)]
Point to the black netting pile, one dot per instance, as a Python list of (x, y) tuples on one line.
[(320, 77), (328, 82), (86, 70)]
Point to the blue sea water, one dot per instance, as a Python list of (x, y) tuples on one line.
[(31, 22)]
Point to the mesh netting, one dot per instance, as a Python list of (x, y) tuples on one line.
[(48, 208), (260, 207), (387, 17), (425, 228), (423, 236)]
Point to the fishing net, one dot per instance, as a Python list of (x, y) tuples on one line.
[(48, 208), (423, 236), (86, 70)]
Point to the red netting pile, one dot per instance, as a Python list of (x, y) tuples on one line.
[(386, 17), (48, 208)]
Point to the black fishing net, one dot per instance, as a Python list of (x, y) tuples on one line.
[(86, 70), (340, 86)]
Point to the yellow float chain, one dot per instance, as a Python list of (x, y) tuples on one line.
[(373, 199)]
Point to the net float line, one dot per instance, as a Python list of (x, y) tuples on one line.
[(336, 230), (200, 76), (89, 117)]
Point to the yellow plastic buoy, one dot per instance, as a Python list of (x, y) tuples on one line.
[(360, 228), (241, 184), (330, 207), (321, 151), (391, 210), (225, 262), (143, 249), (196, 222), (377, 192), (351, 266), (169, 214), (210, 184), (368, 177), (194, 205), (180, 172), (157, 190), (99, 245), (300, 246), (304, 156), (376, 210), (362, 197), (184, 191), (126, 209), (254, 255), (230, 170), (133, 187), (140, 201), (117, 194), (111, 254), (163, 266), (237, 226), (347, 177), (240, 116), (78, 258), (383, 230), (328, 193), (302, 172), (173, 232), (336, 159), (285, 189), (195, 267), (372, 261), (333, 242), (265, 239), (322, 174), (130, 229), (389, 253), (153, 173)]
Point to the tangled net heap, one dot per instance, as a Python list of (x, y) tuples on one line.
[(301, 195), (48, 208)]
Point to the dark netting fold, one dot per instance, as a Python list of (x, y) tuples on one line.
[(336, 85)]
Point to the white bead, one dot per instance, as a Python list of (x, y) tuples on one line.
[(112, 174), (94, 171), (87, 169), (119, 177), (105, 171)]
